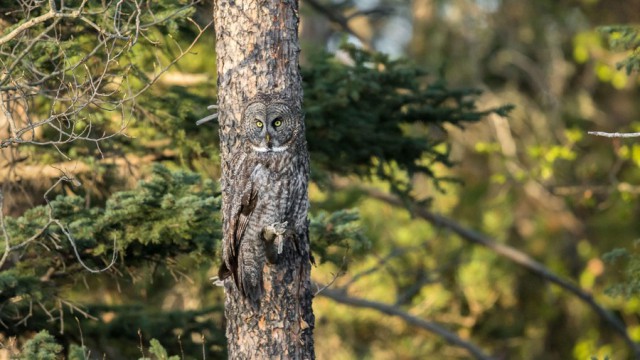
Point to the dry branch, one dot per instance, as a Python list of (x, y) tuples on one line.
[(449, 336), (614, 135), (336, 17)]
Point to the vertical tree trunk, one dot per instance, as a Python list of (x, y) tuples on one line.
[(257, 49)]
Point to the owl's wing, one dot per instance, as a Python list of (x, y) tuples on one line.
[(298, 204), (247, 205), (238, 223)]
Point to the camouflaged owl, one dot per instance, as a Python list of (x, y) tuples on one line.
[(269, 202)]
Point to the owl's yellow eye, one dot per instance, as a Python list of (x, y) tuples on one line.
[(259, 124), (277, 122)]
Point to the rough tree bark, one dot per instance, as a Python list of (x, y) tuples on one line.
[(257, 52)]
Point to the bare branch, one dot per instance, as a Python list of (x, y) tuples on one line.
[(382, 10), (38, 20), (207, 119), (73, 307), (175, 60), (7, 240), (381, 262), (333, 280), (447, 335), (614, 135), (336, 18)]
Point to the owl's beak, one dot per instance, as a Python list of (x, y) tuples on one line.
[(268, 138)]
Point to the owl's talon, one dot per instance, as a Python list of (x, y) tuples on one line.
[(275, 235), (275, 230), (279, 244)]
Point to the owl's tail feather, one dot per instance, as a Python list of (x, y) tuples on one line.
[(250, 281), (229, 268), (249, 284)]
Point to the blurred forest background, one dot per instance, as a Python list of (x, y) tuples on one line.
[(459, 206)]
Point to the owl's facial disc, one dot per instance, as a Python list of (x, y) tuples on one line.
[(267, 143), (272, 128)]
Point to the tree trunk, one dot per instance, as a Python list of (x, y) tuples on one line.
[(257, 53)]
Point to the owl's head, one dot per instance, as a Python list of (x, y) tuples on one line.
[(270, 125)]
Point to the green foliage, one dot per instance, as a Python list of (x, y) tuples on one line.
[(173, 211), (337, 236), (89, 75), (170, 214), (135, 317), (158, 352), (78, 352), (42, 346), (168, 224), (625, 38), (630, 264), (377, 116)]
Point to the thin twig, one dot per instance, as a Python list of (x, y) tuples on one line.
[(381, 262), (73, 307), (333, 280), (207, 119), (37, 20), (67, 233), (7, 240)]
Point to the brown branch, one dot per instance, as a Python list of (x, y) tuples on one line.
[(52, 14), (5, 234), (376, 11), (513, 255), (397, 252), (335, 18), (449, 336)]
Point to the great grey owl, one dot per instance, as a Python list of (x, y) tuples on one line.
[(269, 201)]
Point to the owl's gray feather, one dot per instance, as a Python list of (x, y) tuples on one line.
[(270, 187)]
